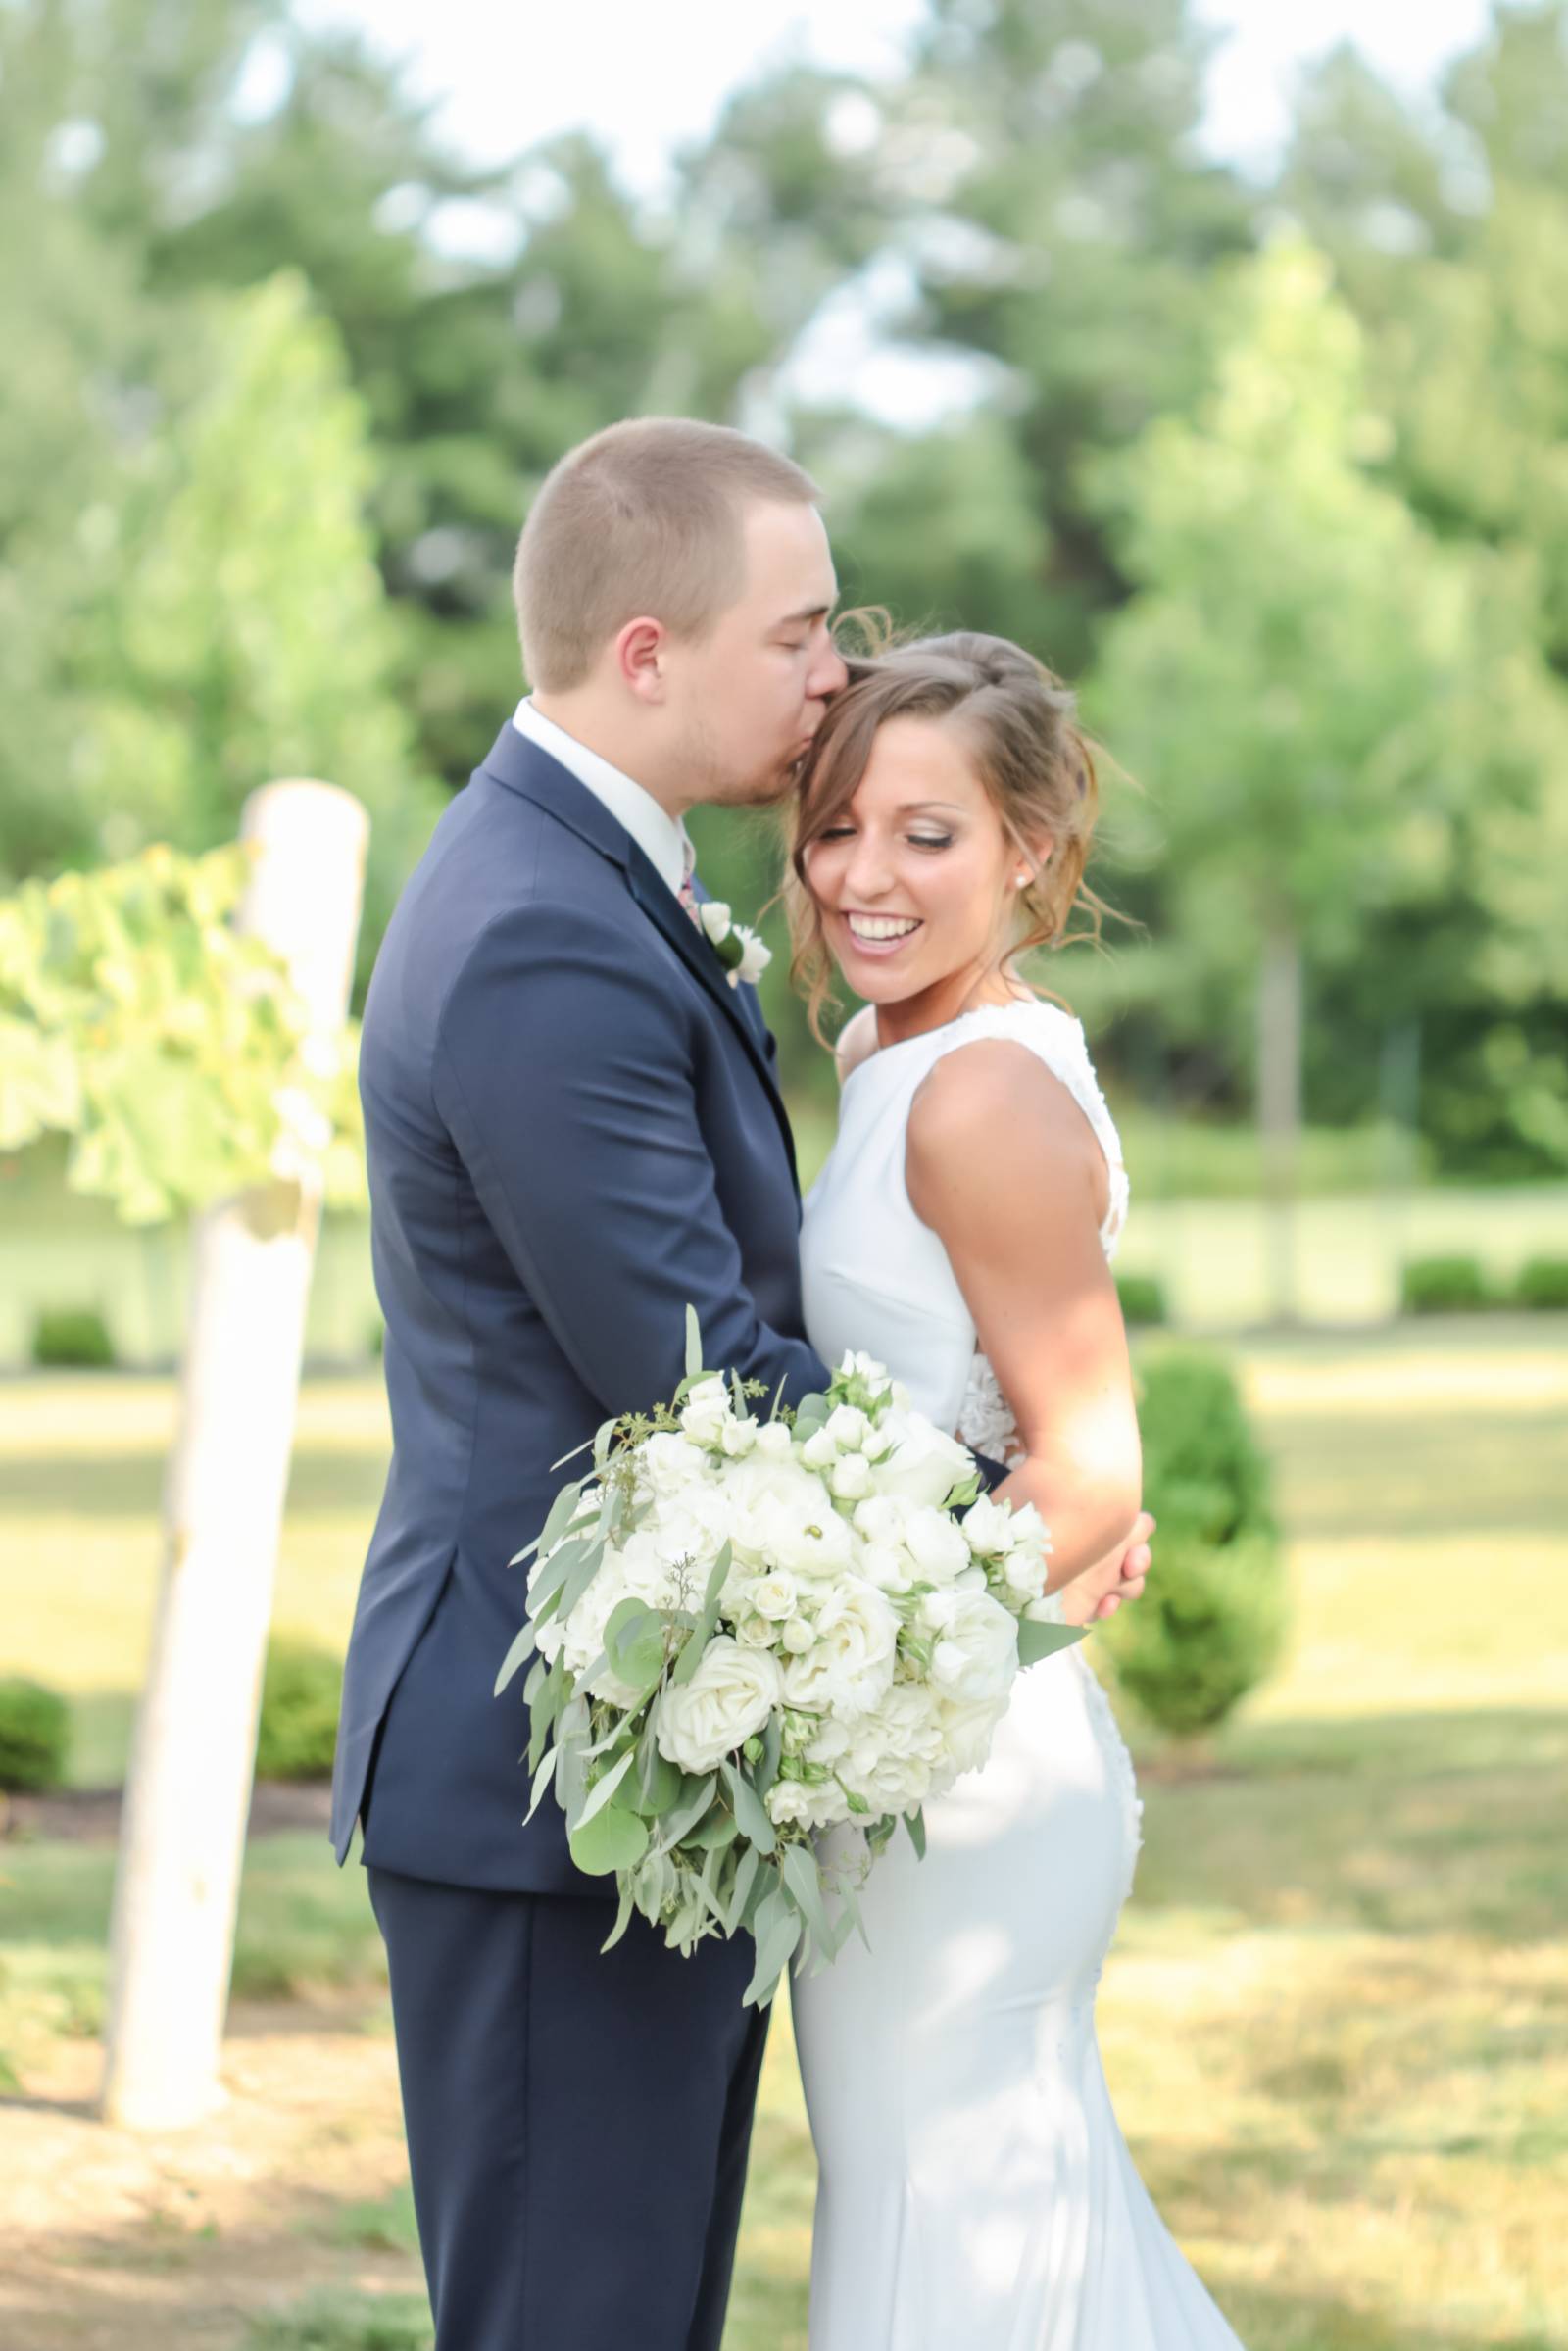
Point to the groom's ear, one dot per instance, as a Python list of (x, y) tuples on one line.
[(640, 658)]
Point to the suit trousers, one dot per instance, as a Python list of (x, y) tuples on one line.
[(578, 2121)]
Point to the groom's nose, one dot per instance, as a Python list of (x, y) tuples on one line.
[(829, 673)]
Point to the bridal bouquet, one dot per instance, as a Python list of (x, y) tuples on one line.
[(746, 1631)]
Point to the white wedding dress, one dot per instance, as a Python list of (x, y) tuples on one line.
[(975, 2192)]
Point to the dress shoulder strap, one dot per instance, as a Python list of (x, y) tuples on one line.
[(1058, 1040)]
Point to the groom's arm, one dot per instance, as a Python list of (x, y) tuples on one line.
[(566, 1081)]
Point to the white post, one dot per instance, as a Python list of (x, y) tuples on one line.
[(183, 1836)]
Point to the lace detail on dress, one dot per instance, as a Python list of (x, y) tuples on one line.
[(986, 1424)]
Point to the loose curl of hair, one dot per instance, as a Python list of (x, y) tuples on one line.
[(1037, 766)]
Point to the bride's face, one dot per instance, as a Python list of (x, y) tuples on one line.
[(915, 879)]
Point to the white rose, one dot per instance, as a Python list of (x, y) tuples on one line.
[(967, 1729), (924, 1464), (737, 1437), (846, 1425), (850, 1478), (850, 1667), (798, 1635), (714, 916), (988, 1527), (936, 1544), (792, 1803), (668, 1464), (819, 1450), (886, 1565), (754, 956), (776, 1596), (705, 1411), (756, 1633), (975, 1651), (858, 1365), (729, 1697), (774, 1442)]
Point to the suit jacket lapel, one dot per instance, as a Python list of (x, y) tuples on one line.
[(665, 911), (523, 767)]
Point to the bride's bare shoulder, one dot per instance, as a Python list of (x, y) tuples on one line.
[(856, 1040), (990, 1111)]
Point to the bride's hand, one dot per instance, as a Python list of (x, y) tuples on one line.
[(1101, 1589)]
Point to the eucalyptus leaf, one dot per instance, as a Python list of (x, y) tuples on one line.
[(774, 1949), (622, 1922), (1045, 1640), (604, 1789), (611, 1841), (684, 1815), (541, 1781), (915, 1822), (634, 1642), (766, 1770), (745, 1878), (802, 1879), (694, 1344), (750, 1810), (517, 1657)]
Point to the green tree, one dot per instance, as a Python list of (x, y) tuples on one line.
[(1302, 677)]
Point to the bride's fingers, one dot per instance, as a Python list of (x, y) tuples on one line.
[(1137, 1562)]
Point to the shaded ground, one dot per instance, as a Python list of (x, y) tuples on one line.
[(1335, 2023)]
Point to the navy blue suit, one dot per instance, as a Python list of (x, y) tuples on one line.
[(573, 1130)]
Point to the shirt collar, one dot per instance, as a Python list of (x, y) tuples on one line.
[(661, 838)]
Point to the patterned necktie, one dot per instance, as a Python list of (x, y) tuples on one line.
[(686, 894)]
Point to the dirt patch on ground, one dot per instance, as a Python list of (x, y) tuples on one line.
[(92, 1815), (112, 2242)]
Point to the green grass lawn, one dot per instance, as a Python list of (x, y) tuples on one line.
[(1336, 2023)]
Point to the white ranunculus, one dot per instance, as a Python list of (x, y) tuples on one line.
[(714, 916), (803, 1534), (705, 1411), (729, 1697), (880, 1518), (774, 1442), (850, 1478), (799, 1635), (975, 1645), (849, 1669), (846, 1425), (1024, 1573), (738, 1437), (925, 1463)]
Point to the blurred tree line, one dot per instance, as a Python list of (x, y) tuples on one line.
[(1277, 474)]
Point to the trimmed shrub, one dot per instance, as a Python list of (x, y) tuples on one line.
[(74, 1336), (1142, 1298), (1543, 1284), (34, 1735), (1211, 1624), (1445, 1286), (301, 1695)]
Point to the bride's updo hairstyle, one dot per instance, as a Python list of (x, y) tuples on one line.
[(1036, 765)]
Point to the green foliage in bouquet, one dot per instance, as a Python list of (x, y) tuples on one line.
[(172, 1048), (1211, 1623), (728, 1847), (301, 1696), (34, 1735)]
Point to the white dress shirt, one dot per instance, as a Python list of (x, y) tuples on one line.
[(663, 837)]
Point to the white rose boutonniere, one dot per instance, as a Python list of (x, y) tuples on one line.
[(739, 949)]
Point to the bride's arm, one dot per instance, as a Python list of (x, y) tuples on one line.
[(1004, 1168)]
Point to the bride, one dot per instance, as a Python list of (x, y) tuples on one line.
[(975, 2191)]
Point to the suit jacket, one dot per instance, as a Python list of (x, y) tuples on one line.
[(573, 1130)]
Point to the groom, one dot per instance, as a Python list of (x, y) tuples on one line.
[(575, 1130)]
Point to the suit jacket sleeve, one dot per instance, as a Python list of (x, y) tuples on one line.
[(565, 1078)]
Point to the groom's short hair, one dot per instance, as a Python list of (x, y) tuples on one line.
[(644, 517)]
